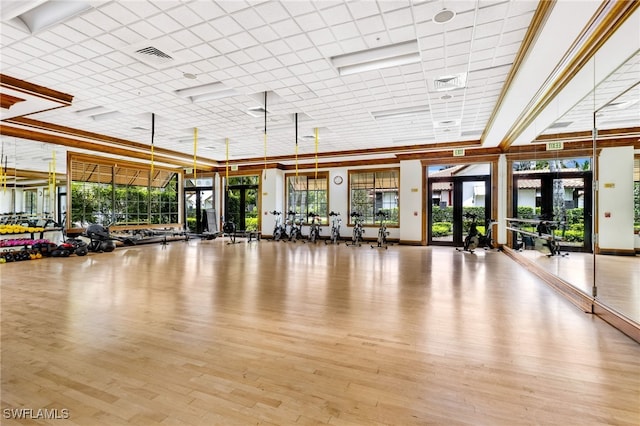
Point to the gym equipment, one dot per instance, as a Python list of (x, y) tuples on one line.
[(382, 230), (314, 228), (101, 240), (229, 229), (358, 230), (475, 238), (543, 240), (295, 229), (279, 230), (336, 221)]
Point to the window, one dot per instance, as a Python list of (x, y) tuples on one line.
[(109, 194), (372, 191), (307, 193)]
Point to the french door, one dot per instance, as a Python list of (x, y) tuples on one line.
[(453, 202)]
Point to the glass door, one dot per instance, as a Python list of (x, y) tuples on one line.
[(561, 197), (241, 202), (456, 200), (199, 206)]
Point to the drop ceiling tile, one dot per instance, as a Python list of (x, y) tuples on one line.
[(127, 35), (371, 24), (226, 25), (119, 13), (146, 30), (299, 42), (512, 36), (311, 22), (492, 13), (346, 46), (286, 28), (312, 55), (264, 34), (321, 37), (164, 22), (336, 15), (141, 9), (223, 46), (249, 18), (345, 31), (401, 34), (272, 12), (398, 17)]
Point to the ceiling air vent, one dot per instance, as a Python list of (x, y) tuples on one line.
[(449, 82), (152, 54), (156, 53)]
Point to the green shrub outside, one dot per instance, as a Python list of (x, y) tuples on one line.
[(441, 229)]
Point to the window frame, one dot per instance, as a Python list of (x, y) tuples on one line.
[(374, 222), (323, 175)]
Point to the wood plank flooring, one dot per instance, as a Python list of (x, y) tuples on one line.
[(617, 277), (205, 333)]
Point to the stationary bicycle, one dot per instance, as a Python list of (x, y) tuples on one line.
[(295, 228), (547, 243), (474, 238), (382, 230), (279, 230), (358, 230), (314, 227), (336, 221)]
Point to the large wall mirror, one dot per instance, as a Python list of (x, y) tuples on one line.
[(605, 181)]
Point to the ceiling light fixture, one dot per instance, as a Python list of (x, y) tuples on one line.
[(215, 95), (377, 58), (107, 115), (88, 112), (400, 112), (444, 16), (49, 13), (205, 92)]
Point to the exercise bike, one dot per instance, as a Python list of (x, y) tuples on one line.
[(314, 227), (382, 230), (358, 230), (279, 230), (475, 238), (336, 221), (295, 228), (546, 242)]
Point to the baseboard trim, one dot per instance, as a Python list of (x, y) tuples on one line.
[(617, 252), (578, 297)]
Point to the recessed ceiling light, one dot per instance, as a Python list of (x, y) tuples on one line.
[(446, 97), (444, 16), (189, 76), (400, 112), (377, 58)]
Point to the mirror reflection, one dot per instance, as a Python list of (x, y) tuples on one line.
[(587, 208)]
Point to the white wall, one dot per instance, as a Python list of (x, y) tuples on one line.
[(272, 198), (615, 199), (410, 201)]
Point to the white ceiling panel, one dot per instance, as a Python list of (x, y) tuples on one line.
[(284, 47)]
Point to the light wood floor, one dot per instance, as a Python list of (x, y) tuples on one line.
[(204, 333), (617, 277)]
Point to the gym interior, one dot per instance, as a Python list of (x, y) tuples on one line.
[(320, 212)]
